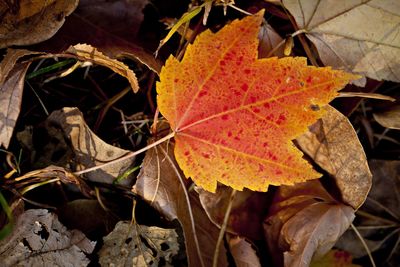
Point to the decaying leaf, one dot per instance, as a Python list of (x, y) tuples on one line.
[(304, 223), (10, 101), (234, 115), (357, 36), (89, 150), (158, 183), (335, 258), (110, 26), (333, 144), (242, 252), (38, 237), (86, 52), (269, 40), (390, 118), (247, 214), (138, 245), (27, 22), (381, 232)]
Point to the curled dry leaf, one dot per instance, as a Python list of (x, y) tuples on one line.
[(11, 90), (333, 144), (304, 222), (242, 252), (138, 245), (246, 216), (358, 36), (27, 22), (101, 25), (389, 118), (89, 150), (38, 237), (86, 52), (158, 183), (234, 116)]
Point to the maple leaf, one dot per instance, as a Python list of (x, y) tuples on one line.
[(234, 115)]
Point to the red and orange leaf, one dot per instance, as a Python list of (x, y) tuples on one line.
[(234, 115)]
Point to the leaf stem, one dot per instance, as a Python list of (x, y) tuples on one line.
[(127, 156)]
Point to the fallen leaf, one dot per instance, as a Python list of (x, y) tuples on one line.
[(110, 26), (86, 52), (378, 219), (357, 36), (10, 101), (138, 245), (335, 258), (304, 222), (269, 40), (247, 214), (234, 115), (242, 252), (158, 180), (28, 22), (89, 150), (333, 144), (38, 237), (389, 118)]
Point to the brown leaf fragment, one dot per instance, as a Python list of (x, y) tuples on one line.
[(89, 149), (28, 22), (10, 101), (335, 258), (242, 252), (333, 144), (38, 237), (357, 36), (246, 216), (269, 40), (304, 223), (389, 118), (158, 183), (124, 246), (85, 52)]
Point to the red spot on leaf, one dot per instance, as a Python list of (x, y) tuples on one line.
[(245, 87), (229, 134), (225, 117), (202, 93), (247, 71)]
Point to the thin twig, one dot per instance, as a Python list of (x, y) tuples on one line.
[(364, 244), (127, 156), (223, 229), (366, 95)]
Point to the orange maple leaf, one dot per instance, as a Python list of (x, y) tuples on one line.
[(234, 115)]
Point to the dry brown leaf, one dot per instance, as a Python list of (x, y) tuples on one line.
[(124, 246), (242, 252), (90, 150), (304, 222), (38, 237), (27, 22), (158, 179), (333, 144), (269, 40), (357, 36), (86, 52), (10, 101), (383, 203), (335, 258), (389, 118), (246, 216)]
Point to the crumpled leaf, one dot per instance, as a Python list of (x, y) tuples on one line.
[(357, 36), (234, 115), (138, 245), (304, 222), (383, 202), (27, 22), (86, 52), (11, 90), (389, 118), (110, 26), (89, 150), (333, 144), (242, 252), (247, 213), (38, 237), (158, 180), (335, 258)]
